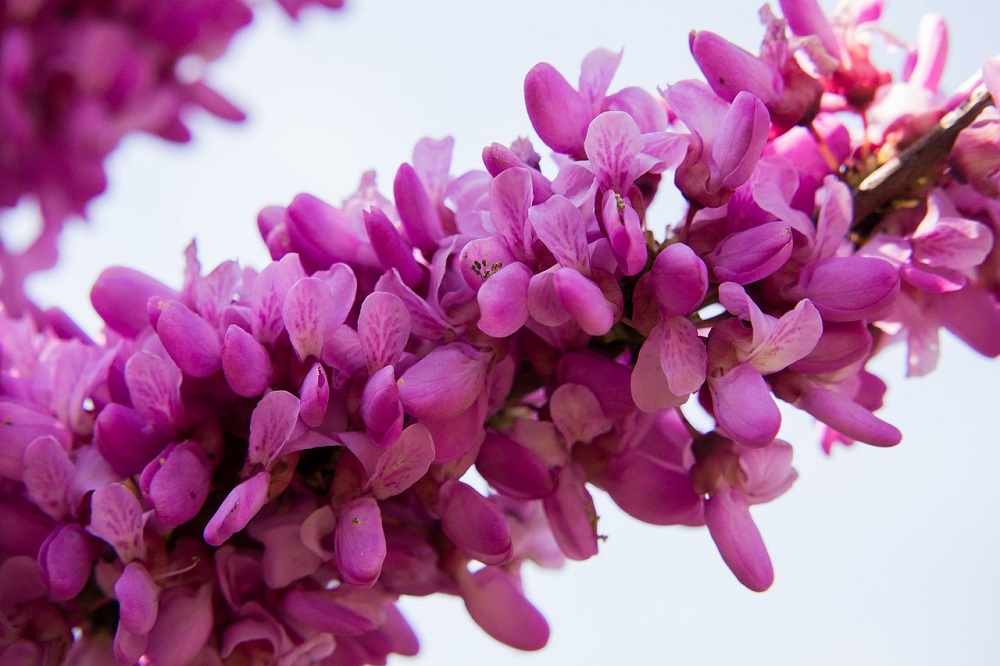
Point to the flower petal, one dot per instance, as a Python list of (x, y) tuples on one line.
[(679, 279), (242, 504), (503, 301), (683, 356), (559, 225), (445, 382), (383, 329), (116, 517), (475, 524), (613, 141), (558, 113), (360, 541), (738, 539), (191, 341), (245, 362), (495, 601), (571, 514), (271, 425), (743, 406)]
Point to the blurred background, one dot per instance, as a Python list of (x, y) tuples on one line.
[(882, 556)]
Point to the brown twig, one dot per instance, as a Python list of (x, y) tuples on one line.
[(892, 179)]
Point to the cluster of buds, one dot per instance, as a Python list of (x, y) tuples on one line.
[(76, 76), (255, 467)]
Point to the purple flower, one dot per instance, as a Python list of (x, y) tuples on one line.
[(732, 478), (561, 114), (725, 141)]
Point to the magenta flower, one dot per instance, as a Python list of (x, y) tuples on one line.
[(725, 141), (419, 395), (843, 54), (561, 114), (740, 356), (774, 77), (732, 478), (673, 362)]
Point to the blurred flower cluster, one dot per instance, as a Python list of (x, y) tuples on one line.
[(420, 393), (76, 76)]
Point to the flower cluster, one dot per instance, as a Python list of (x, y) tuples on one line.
[(255, 467), (78, 75)]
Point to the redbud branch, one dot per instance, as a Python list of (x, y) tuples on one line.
[(915, 164)]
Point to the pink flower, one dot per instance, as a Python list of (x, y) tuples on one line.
[(732, 478)]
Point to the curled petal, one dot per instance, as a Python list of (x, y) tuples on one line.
[(417, 212), (314, 396), (727, 515), (242, 504), (380, 407), (624, 231), (495, 601), (848, 417), (737, 146)]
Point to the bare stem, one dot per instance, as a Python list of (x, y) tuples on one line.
[(916, 163)]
